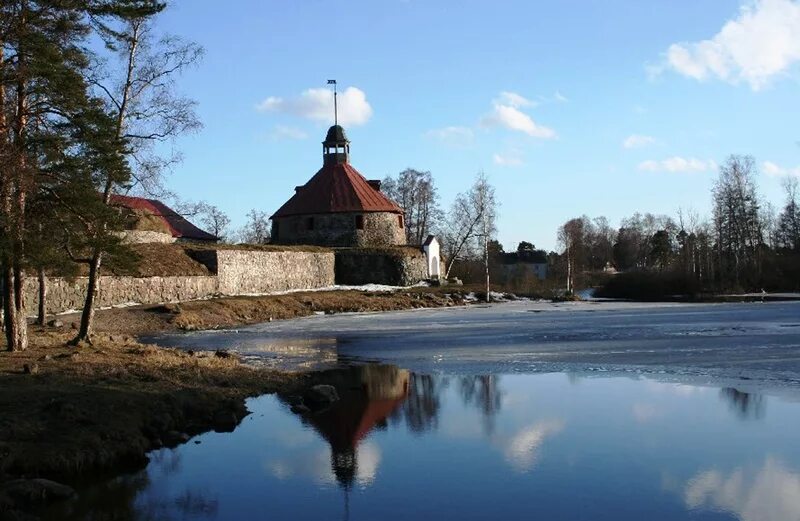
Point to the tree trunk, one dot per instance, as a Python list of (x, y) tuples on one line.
[(9, 309), (41, 316), (87, 316), (486, 259)]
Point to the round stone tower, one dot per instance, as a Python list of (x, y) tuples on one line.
[(338, 206)]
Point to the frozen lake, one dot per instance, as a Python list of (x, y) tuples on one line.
[(753, 342)]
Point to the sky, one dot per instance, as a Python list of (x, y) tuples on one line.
[(596, 107)]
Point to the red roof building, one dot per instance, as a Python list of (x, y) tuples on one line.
[(338, 206), (167, 220)]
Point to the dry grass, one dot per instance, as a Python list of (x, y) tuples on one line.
[(106, 405)]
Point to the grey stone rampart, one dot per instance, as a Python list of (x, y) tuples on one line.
[(392, 266), (64, 294), (246, 272)]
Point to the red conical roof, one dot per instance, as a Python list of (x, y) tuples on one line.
[(337, 187)]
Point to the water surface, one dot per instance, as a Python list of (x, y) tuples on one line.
[(405, 445)]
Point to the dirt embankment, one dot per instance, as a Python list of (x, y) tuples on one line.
[(236, 311)]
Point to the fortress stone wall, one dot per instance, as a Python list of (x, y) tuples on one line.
[(241, 272)]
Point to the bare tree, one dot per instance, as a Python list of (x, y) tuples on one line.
[(416, 193), (256, 230), (470, 224), (736, 219), (213, 220), (139, 90), (788, 224)]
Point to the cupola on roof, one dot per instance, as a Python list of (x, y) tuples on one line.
[(337, 187), (336, 135)]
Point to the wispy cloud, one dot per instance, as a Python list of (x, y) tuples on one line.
[(507, 160), (317, 105), (512, 99), (506, 113), (677, 165), (761, 42), (774, 170), (453, 135), (638, 141)]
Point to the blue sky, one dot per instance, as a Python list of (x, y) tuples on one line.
[(602, 107)]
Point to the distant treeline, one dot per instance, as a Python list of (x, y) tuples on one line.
[(744, 246)]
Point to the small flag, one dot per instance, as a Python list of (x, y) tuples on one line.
[(331, 82)]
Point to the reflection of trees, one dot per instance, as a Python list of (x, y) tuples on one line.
[(483, 392), (421, 408), (746, 405)]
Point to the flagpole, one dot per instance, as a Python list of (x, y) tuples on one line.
[(335, 103)]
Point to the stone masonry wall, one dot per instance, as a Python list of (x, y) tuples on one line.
[(246, 272), (241, 272), (395, 267), (64, 295), (339, 229)]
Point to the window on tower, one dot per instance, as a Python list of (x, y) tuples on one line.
[(359, 222), (310, 223), (400, 220)]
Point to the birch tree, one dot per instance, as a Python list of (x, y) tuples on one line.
[(470, 224), (140, 92)]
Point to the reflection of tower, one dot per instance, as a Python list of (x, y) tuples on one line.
[(367, 397)]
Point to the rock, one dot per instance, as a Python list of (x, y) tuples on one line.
[(36, 491), (221, 353), (173, 438), (300, 409), (55, 323), (46, 358), (225, 421), (321, 395), (455, 281), (30, 368), (293, 399)]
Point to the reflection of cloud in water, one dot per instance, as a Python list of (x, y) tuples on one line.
[(773, 494), (644, 412), (675, 388), (316, 464), (522, 449)]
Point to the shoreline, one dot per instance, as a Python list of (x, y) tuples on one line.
[(69, 413)]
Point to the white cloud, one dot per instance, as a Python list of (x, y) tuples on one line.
[(317, 105), (772, 494), (512, 118), (773, 170), (507, 160), (281, 132), (560, 97), (763, 41), (512, 99), (637, 141), (522, 449), (454, 135), (678, 164)]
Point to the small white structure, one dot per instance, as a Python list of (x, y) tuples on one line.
[(433, 256)]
